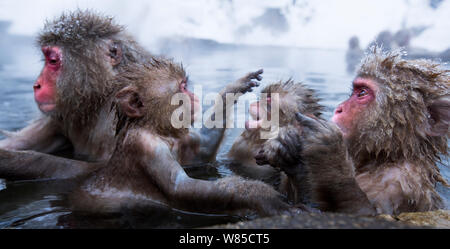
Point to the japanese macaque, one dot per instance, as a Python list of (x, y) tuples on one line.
[(379, 153), (83, 52), (292, 98), (144, 169)]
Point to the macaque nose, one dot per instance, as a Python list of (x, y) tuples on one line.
[(338, 110), (36, 86)]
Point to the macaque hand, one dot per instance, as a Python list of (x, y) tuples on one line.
[(265, 199), (284, 151), (246, 83)]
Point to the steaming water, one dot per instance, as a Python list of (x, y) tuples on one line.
[(42, 204), (293, 23)]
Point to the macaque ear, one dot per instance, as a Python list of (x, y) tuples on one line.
[(114, 53), (439, 118), (129, 102)]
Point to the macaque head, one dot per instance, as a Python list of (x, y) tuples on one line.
[(145, 97), (350, 112), (292, 98), (397, 108), (81, 51)]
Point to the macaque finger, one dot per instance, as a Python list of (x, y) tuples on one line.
[(254, 83), (261, 158), (257, 74), (253, 75)]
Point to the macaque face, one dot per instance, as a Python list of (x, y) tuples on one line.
[(349, 112), (257, 111), (195, 103), (45, 86), (164, 86)]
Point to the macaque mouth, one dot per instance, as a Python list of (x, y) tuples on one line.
[(46, 107)]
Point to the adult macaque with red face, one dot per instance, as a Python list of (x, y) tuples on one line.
[(379, 154), (83, 53)]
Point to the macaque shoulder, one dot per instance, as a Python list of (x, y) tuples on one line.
[(400, 187), (149, 143)]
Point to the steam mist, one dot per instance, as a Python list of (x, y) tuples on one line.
[(294, 23)]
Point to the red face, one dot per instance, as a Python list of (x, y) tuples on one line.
[(45, 86), (349, 111), (195, 103), (257, 112)]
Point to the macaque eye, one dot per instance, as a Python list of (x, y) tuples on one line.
[(184, 83), (52, 56), (362, 92), (53, 59)]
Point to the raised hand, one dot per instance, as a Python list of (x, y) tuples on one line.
[(284, 151), (246, 83)]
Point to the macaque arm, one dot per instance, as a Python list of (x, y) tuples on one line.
[(27, 165), (231, 193), (316, 148), (341, 194), (332, 172), (209, 139), (41, 135)]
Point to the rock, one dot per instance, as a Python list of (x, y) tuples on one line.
[(386, 217), (438, 219), (318, 221), (431, 219)]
